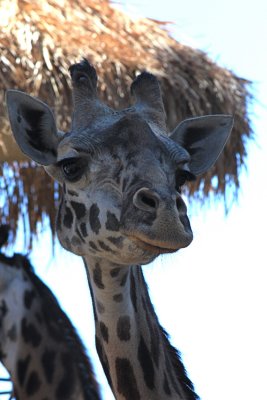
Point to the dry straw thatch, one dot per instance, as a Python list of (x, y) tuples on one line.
[(38, 42)]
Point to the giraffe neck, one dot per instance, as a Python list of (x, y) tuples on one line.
[(38, 345), (137, 358)]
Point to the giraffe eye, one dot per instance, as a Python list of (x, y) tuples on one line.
[(180, 181), (182, 177), (73, 168)]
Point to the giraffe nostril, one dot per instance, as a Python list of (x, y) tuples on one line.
[(149, 201), (179, 203), (146, 200)]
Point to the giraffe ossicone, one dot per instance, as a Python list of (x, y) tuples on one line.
[(38, 344), (121, 206)]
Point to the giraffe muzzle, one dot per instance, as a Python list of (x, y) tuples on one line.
[(158, 221)]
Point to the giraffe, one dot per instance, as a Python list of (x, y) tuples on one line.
[(121, 175), (38, 344)]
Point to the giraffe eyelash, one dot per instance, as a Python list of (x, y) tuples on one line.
[(73, 168)]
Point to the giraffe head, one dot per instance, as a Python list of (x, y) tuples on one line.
[(120, 171)]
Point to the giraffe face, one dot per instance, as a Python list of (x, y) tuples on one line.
[(121, 172), (121, 198)]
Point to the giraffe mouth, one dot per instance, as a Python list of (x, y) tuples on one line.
[(154, 247)]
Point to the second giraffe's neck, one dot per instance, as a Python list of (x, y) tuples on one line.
[(137, 358), (38, 344)]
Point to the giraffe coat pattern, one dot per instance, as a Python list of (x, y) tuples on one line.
[(38, 344)]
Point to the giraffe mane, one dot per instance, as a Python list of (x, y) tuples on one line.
[(174, 354), (69, 333), (175, 357)]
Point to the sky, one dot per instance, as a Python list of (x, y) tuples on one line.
[(211, 297)]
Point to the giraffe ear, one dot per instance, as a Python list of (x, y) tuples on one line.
[(33, 126), (204, 139)]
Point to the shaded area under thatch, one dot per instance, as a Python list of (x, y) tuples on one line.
[(40, 40)]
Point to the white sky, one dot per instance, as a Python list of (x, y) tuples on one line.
[(210, 297)]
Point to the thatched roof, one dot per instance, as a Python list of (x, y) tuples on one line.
[(40, 40)]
